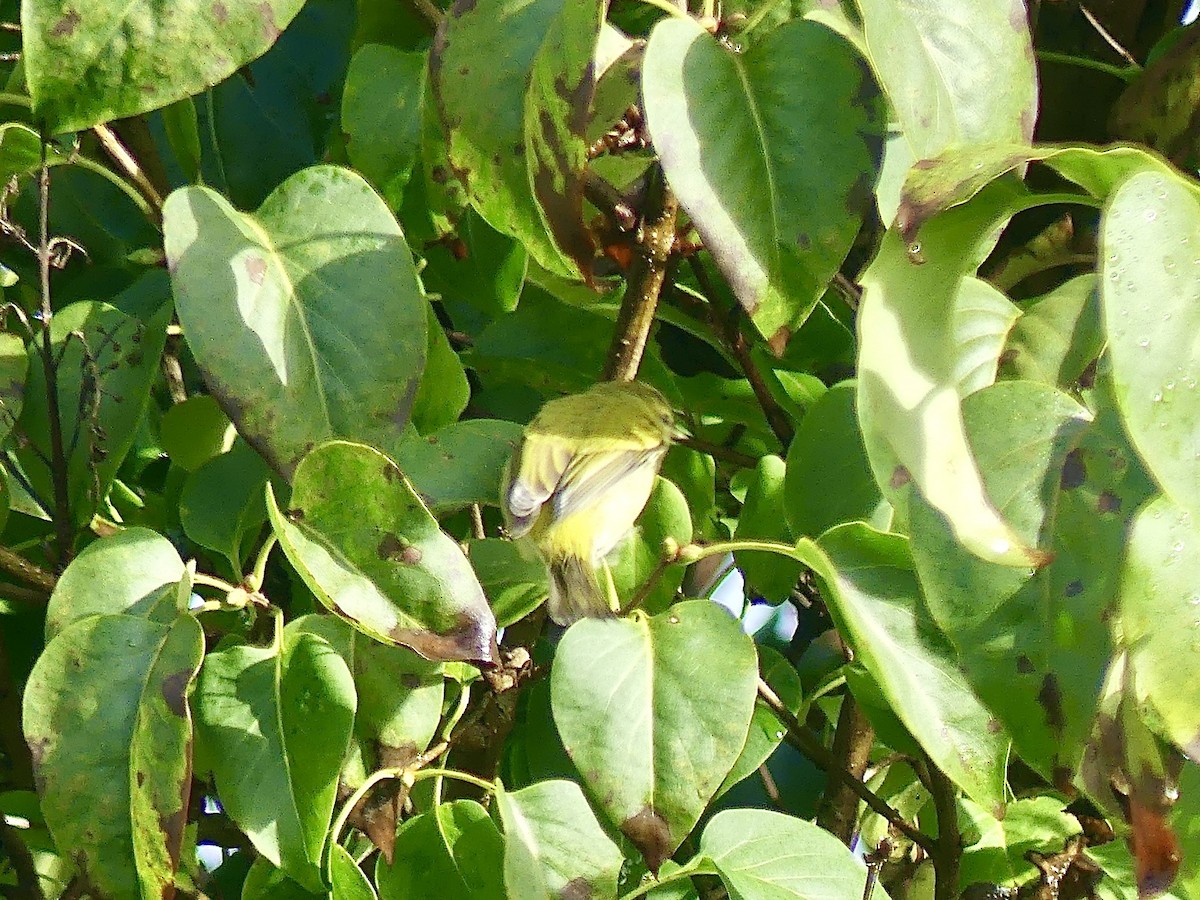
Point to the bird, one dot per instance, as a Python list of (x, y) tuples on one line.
[(577, 482)]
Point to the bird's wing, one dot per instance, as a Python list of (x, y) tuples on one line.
[(535, 471), (589, 476)]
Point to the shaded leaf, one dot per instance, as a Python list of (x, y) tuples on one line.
[(382, 114), (652, 733), (515, 585), (115, 786), (767, 575), (194, 431), (460, 464), (665, 517), (222, 502), (444, 391), (306, 318), (276, 722), (365, 544), (453, 851), (982, 319), (772, 152), (1057, 336)]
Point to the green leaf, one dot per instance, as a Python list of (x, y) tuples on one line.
[(558, 101), (1057, 336), (877, 605), (21, 152), (14, 367), (134, 571), (763, 855), (652, 733), (460, 464), (829, 479), (487, 271), (768, 575), (444, 391), (492, 105), (104, 384), (772, 152), (515, 585), (222, 502), (106, 718), (381, 114), (296, 698), (957, 73), (265, 882), (1149, 292), (1038, 658), (908, 403), (80, 76), (1160, 605), (553, 846), (998, 856), (765, 731), (982, 319), (365, 544), (347, 880), (194, 431), (306, 318), (665, 517), (453, 852)]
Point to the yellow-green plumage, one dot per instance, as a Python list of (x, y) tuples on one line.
[(579, 480)]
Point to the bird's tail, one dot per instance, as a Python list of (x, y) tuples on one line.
[(576, 592)]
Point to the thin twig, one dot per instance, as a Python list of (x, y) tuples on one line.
[(58, 469), (947, 852), (12, 737), (729, 332), (28, 887), (430, 13), (852, 749), (76, 888), (118, 153), (804, 741), (31, 574), (1108, 38), (647, 275), (720, 451)]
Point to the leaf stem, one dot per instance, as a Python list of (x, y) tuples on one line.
[(254, 581), (1125, 73), (120, 154), (695, 867), (58, 458), (756, 17)]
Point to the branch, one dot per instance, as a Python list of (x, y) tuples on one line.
[(804, 741), (645, 281), (728, 331), (58, 468), (947, 853), (28, 887), (852, 749), (33, 575)]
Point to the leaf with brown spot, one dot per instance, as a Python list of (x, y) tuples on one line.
[(115, 787), (372, 553), (653, 733), (329, 340), (761, 147), (554, 849), (167, 51)]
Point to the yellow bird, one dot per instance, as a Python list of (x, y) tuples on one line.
[(577, 483)]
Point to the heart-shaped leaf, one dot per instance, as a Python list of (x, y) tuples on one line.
[(296, 696), (652, 733), (772, 152), (453, 851), (166, 51), (761, 854), (365, 544), (553, 845), (306, 317), (106, 717)]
